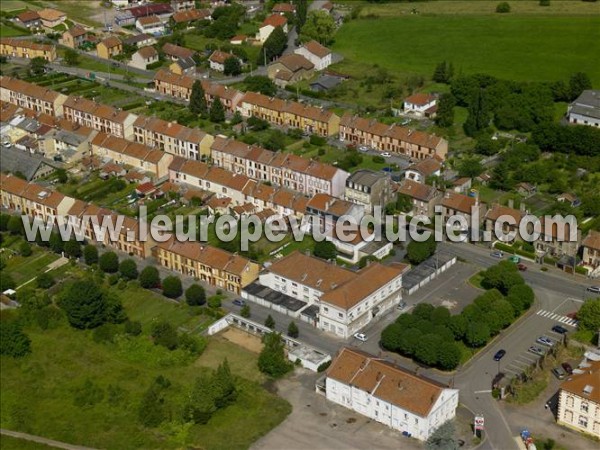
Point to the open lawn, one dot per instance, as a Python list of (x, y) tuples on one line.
[(509, 46), (7, 30), (23, 269), (11, 443), (39, 392)]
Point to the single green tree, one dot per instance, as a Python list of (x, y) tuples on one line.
[(270, 322), (128, 269), (44, 280), (589, 315), (71, 57), (445, 111), (90, 254), (37, 66), (198, 99), (217, 111), (172, 287), (15, 225), (109, 262), (232, 66), (195, 295), (272, 360), (85, 304), (503, 8), (245, 311), (325, 250), (149, 277), (72, 248), (293, 330)]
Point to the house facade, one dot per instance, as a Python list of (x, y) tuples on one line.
[(281, 169), (317, 54), (388, 394), (217, 60), (22, 48), (150, 25), (211, 265), (290, 68), (421, 170), (269, 25), (74, 37), (369, 189), (31, 96), (109, 48), (103, 118), (579, 401), (424, 198), (178, 86), (133, 154), (591, 249), (172, 138), (144, 57), (420, 105)]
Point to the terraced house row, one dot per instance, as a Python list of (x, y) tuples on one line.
[(212, 265), (305, 176), (22, 48), (285, 113)]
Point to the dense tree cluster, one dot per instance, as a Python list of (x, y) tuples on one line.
[(13, 341), (260, 83), (431, 335), (512, 105), (88, 305), (319, 26), (325, 250), (589, 315)]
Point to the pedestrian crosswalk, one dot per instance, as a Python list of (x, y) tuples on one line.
[(557, 317)]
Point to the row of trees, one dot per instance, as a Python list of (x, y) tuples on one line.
[(431, 335)]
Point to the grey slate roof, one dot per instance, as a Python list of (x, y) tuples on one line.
[(587, 104), (14, 160), (326, 82), (365, 177)]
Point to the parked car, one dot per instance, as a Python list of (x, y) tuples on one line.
[(515, 259), (594, 289), (386, 154), (497, 254), (567, 367), (522, 267), (559, 373), (537, 350), (559, 329), (499, 355), (363, 148), (361, 337), (401, 305), (239, 302), (545, 340)]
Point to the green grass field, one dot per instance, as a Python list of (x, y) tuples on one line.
[(519, 47)]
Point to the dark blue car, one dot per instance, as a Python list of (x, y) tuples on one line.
[(499, 355)]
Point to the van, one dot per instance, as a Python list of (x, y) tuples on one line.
[(559, 373)]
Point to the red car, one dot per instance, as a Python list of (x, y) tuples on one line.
[(522, 267)]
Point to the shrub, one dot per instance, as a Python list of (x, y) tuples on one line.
[(90, 254), (214, 301), (13, 341), (503, 8), (25, 249), (378, 159), (128, 269), (324, 366), (272, 360), (44, 280)]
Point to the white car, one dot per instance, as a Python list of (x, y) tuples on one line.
[(361, 337), (386, 154)]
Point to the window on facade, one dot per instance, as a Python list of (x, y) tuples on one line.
[(584, 407), (570, 401), (340, 315), (583, 422)]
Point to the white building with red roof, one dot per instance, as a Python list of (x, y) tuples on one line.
[(421, 105), (269, 25)]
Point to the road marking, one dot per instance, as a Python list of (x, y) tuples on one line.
[(520, 362), (557, 317), (487, 391)]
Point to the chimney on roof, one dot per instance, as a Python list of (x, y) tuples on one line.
[(447, 194)]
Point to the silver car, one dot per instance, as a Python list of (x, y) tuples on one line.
[(537, 350), (545, 340)]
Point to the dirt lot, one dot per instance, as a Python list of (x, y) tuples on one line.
[(243, 339)]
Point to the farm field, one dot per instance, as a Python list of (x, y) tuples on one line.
[(518, 47)]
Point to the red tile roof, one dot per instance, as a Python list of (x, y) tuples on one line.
[(274, 20)]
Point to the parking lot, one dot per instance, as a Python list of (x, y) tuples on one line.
[(540, 322)]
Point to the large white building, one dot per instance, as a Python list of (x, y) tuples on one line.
[(347, 300), (388, 394), (585, 110), (579, 400)]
